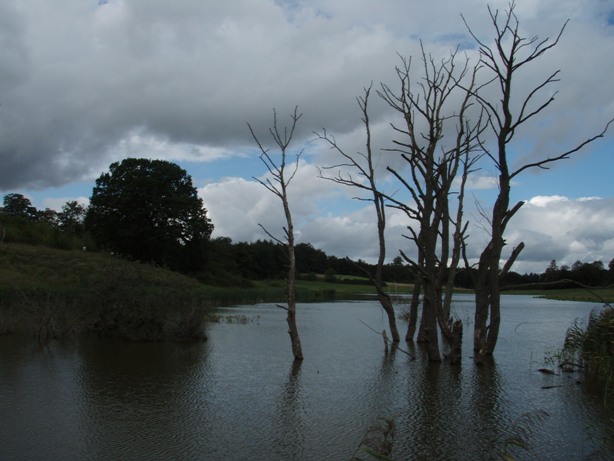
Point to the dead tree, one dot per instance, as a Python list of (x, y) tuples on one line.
[(363, 165), (430, 108), (504, 60), (277, 183)]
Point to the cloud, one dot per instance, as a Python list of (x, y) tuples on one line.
[(86, 83), (552, 227), (57, 203), (541, 201), (563, 229), (237, 207), (85, 80)]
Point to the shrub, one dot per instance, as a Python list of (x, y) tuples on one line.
[(330, 276)]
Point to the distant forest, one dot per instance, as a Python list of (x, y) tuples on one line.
[(231, 263), (266, 260)]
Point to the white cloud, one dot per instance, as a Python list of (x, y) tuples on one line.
[(238, 206), (563, 229), (481, 182), (543, 201), (57, 203)]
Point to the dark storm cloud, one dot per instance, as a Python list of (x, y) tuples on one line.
[(78, 79)]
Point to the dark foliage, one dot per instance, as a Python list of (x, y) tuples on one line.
[(593, 274), (149, 210), (17, 205), (21, 229), (236, 263)]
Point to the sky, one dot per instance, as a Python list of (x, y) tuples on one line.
[(84, 83)]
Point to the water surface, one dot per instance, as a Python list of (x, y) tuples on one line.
[(238, 395)]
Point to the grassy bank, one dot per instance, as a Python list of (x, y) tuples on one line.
[(34, 270), (52, 293), (595, 295)]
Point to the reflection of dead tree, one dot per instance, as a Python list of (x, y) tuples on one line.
[(364, 165), (504, 60), (431, 108), (278, 185)]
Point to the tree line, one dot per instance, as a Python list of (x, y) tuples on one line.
[(229, 263), (224, 263)]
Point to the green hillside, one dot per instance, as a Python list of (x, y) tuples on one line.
[(55, 293)]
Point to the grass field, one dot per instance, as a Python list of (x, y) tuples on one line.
[(44, 290)]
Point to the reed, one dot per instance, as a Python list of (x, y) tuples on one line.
[(593, 346)]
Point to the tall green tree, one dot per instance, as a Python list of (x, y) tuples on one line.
[(72, 216), (19, 205), (150, 211)]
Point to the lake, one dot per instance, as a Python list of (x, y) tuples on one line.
[(238, 396)]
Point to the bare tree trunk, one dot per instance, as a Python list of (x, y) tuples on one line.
[(433, 166), (432, 295), (487, 314), (384, 298), (297, 349), (278, 185), (482, 306), (413, 312), (429, 325), (365, 165), (504, 60), (388, 307)]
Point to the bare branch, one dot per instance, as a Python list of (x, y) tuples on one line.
[(565, 155), (512, 259), (271, 235)]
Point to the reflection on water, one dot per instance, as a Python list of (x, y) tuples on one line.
[(240, 395), (144, 395), (289, 440)]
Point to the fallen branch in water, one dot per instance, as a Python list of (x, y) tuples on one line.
[(569, 364), (546, 371), (385, 336)]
